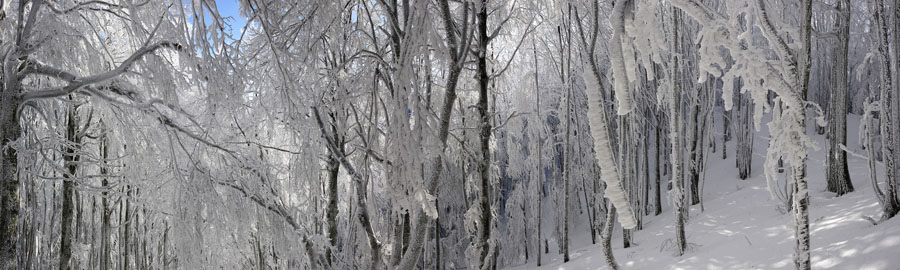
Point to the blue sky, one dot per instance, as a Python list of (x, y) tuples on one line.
[(231, 8)]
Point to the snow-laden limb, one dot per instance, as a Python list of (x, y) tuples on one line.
[(617, 59), (603, 149)]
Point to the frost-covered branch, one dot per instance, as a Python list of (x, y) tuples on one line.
[(604, 151), (76, 83), (617, 58)]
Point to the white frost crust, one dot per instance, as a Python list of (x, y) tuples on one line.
[(608, 171), (617, 59)]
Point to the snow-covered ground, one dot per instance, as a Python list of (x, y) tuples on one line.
[(742, 227)]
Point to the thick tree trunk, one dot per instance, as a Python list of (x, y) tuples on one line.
[(484, 168), (798, 175), (9, 178), (838, 176), (894, 100), (891, 205), (333, 166), (70, 159)]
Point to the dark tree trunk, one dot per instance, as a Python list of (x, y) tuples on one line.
[(9, 178), (838, 174)]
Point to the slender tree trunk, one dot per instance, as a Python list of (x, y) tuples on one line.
[(566, 180), (437, 239), (696, 145), (743, 154), (105, 227), (726, 133), (606, 237), (660, 145), (539, 186), (674, 123), (625, 165), (126, 228), (646, 168)]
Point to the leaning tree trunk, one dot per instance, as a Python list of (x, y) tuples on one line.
[(838, 175)]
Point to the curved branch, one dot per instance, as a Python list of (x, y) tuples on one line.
[(75, 83)]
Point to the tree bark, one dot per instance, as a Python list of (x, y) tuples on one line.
[(660, 145), (70, 159), (484, 168), (9, 177), (105, 262), (674, 123), (838, 174), (891, 205)]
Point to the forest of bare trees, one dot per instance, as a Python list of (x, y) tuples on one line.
[(432, 134)]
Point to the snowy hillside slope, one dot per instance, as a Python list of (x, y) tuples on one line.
[(742, 227)]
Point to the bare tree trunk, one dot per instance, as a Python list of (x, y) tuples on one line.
[(726, 132), (660, 147), (566, 173), (743, 153), (333, 166), (70, 160), (674, 123), (892, 203), (798, 175), (606, 237), (539, 186), (646, 165), (105, 262), (9, 177), (838, 175), (696, 145), (484, 168)]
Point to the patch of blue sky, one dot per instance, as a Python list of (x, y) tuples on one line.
[(230, 10)]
